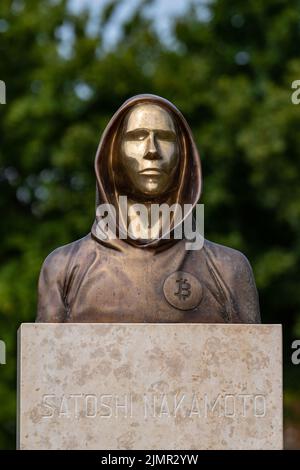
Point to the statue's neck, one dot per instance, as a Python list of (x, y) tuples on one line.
[(141, 225)]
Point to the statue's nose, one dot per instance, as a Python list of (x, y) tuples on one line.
[(152, 150)]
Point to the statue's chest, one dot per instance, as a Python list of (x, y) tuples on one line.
[(124, 290)]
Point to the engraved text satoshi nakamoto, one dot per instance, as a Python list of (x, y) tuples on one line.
[(186, 405)]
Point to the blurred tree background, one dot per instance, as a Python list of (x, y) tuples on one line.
[(228, 66)]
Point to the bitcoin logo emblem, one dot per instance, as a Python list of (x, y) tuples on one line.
[(183, 290)]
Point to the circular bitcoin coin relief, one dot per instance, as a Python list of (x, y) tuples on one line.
[(183, 290)]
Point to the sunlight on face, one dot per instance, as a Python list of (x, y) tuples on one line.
[(150, 151)]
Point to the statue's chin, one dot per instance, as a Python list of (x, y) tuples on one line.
[(151, 190), (145, 191)]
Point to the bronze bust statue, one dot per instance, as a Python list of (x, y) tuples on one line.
[(146, 153)]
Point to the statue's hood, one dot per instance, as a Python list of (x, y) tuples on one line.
[(190, 178)]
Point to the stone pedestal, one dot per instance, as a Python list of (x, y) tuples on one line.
[(150, 386)]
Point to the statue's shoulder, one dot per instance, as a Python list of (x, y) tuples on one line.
[(233, 273), (62, 256), (227, 259)]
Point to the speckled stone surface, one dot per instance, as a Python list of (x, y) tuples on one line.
[(150, 386)]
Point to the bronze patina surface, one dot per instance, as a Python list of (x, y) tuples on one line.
[(147, 153)]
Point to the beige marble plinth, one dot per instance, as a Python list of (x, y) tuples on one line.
[(150, 386)]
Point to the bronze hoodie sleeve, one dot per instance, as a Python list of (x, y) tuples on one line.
[(51, 305), (234, 278), (244, 293)]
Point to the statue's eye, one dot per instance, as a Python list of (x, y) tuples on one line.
[(169, 136), (136, 135), (141, 136)]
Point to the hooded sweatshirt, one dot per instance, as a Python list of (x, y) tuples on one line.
[(156, 281)]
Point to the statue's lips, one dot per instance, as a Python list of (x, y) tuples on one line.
[(151, 172)]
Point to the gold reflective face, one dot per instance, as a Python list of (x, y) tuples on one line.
[(150, 150)]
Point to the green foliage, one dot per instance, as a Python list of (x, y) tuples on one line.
[(230, 75)]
